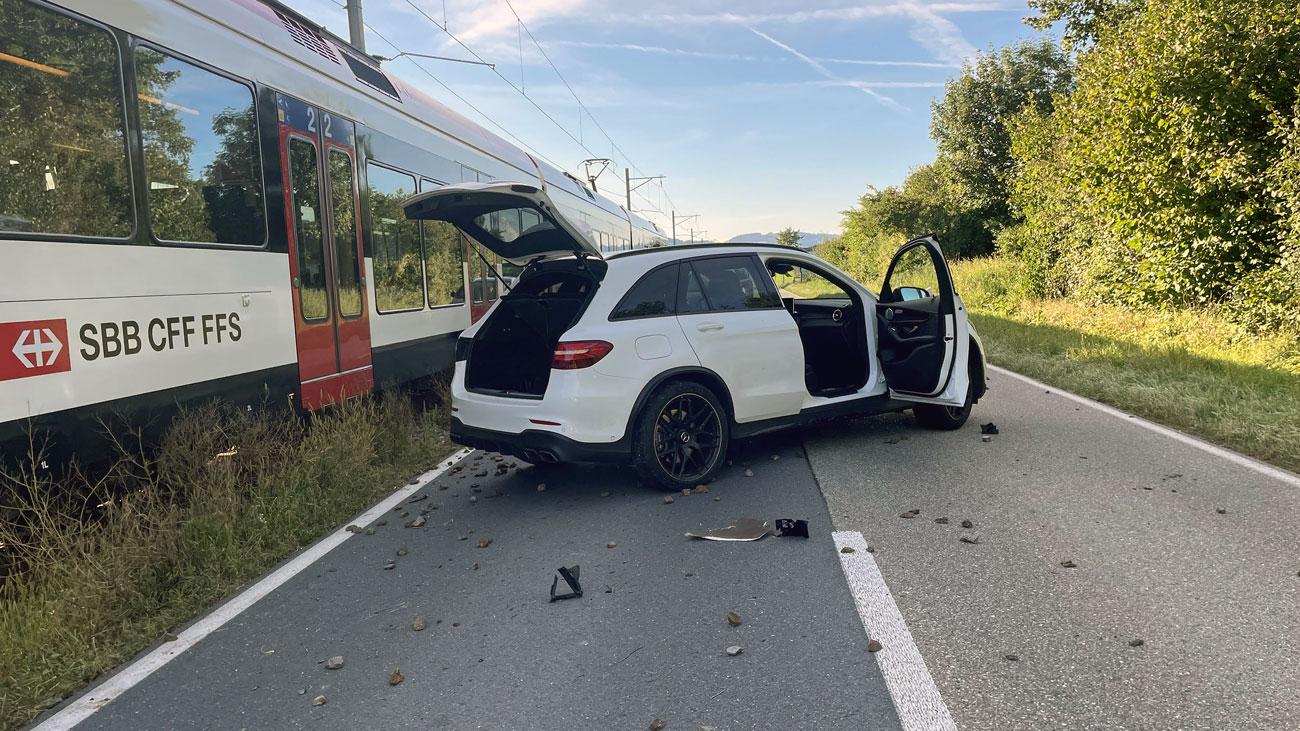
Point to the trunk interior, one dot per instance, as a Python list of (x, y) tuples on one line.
[(512, 352)]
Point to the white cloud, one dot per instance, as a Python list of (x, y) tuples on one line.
[(662, 51)]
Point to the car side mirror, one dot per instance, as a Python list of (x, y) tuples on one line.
[(906, 294)]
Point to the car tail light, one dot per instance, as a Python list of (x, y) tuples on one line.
[(580, 354)]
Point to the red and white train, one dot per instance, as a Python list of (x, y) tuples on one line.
[(199, 198)]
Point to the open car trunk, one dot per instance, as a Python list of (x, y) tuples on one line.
[(512, 351)]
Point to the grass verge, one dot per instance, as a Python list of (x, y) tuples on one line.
[(1191, 369), (104, 565)]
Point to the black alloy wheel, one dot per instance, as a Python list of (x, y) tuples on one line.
[(682, 435)]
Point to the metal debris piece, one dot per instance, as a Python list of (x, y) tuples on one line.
[(396, 677), (989, 428), (743, 529), (735, 650), (733, 619), (570, 576), (874, 646), (791, 528), (334, 663), (847, 549)]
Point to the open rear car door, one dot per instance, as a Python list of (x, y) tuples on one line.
[(922, 332)]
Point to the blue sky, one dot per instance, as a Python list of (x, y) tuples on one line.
[(762, 115)]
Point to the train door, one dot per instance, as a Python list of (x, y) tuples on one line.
[(331, 319), (482, 263)]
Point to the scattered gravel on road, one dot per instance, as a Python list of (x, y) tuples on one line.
[(733, 619), (967, 524), (381, 524), (370, 531), (1220, 511), (874, 646), (972, 538), (749, 473), (657, 724), (318, 700), (334, 663), (396, 677), (604, 494), (701, 489), (474, 567), (419, 624), (353, 529), (541, 487), (1068, 564), (1013, 658), (1136, 643), (847, 549), (686, 491), (390, 564), (910, 514), (402, 551), (484, 543), (611, 544), (735, 650), (941, 521), (668, 498)]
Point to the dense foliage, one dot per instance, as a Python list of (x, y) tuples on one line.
[(1158, 165), (1168, 176)]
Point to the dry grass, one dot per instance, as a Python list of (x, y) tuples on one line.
[(104, 565), (1191, 369)]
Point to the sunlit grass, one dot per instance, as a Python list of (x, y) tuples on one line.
[(1190, 369)]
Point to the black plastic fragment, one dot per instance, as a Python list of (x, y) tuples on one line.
[(571, 578), (989, 428), (791, 528)]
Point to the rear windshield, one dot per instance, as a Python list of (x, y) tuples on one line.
[(511, 223)]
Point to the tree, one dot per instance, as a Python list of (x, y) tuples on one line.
[(788, 237), (1085, 20), (1165, 177), (970, 123)]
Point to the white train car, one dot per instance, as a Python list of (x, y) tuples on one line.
[(199, 199)]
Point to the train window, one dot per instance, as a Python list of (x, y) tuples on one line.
[(343, 205), (201, 158), (308, 234), (394, 241), (62, 135), (444, 260)]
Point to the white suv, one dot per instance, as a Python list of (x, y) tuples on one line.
[(662, 356)]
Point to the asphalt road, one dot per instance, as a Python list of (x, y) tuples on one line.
[(1214, 596), (647, 640)]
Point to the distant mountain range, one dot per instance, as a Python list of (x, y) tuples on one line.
[(805, 238)]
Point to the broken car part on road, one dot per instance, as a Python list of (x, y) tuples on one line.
[(570, 575)]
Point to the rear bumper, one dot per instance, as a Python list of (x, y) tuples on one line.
[(536, 446)]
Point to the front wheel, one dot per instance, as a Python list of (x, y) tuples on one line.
[(681, 435), (946, 418)]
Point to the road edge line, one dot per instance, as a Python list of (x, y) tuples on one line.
[(101, 695), (1238, 458), (916, 698)]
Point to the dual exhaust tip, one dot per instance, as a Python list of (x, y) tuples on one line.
[(540, 456)]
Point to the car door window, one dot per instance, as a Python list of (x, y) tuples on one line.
[(801, 283), (654, 295), (732, 283), (913, 270)]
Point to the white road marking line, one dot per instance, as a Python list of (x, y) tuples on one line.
[(1249, 463), (90, 702), (916, 699)]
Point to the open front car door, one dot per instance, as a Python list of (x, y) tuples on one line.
[(922, 332)]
